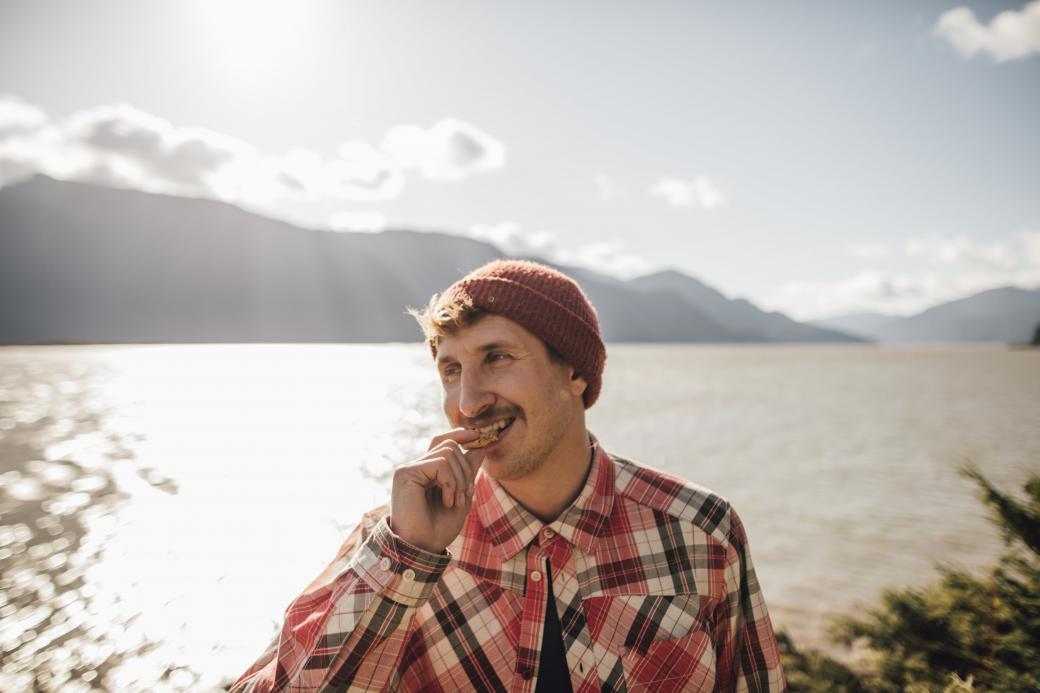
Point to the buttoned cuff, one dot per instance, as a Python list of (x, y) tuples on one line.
[(402, 572)]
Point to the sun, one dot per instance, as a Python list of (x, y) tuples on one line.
[(255, 38)]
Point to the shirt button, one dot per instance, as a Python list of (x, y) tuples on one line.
[(535, 576), (408, 574), (526, 672), (549, 534), (384, 563)]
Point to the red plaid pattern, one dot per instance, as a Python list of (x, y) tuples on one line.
[(652, 578)]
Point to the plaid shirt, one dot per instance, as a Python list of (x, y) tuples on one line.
[(652, 580)]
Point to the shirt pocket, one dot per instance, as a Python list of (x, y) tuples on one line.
[(663, 641), (686, 663)]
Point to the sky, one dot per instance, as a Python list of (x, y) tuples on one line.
[(818, 158)]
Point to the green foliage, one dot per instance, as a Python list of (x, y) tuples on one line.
[(960, 633), (811, 671), (1020, 521)]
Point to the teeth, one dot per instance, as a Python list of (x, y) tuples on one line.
[(497, 426)]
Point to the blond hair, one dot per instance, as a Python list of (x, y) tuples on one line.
[(441, 317)]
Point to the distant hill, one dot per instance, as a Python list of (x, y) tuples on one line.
[(863, 324), (738, 315), (1007, 315), (81, 263)]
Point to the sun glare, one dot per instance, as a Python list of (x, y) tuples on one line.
[(252, 38)]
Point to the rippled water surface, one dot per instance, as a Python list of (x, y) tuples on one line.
[(161, 505)]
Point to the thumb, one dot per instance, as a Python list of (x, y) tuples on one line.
[(476, 458)]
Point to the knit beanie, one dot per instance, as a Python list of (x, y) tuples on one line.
[(543, 301)]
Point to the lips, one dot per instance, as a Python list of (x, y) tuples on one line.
[(489, 434)]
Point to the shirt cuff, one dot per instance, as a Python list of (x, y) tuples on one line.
[(402, 572)]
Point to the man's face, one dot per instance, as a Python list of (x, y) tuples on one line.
[(496, 371)]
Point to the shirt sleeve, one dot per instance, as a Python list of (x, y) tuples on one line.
[(350, 626), (746, 647)]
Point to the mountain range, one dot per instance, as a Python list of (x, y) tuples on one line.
[(87, 264), (81, 263), (1008, 314)]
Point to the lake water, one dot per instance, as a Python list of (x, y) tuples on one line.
[(161, 505)]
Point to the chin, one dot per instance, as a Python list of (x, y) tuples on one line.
[(497, 468), (505, 469)]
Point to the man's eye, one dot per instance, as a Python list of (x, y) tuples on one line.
[(494, 356), (449, 373)]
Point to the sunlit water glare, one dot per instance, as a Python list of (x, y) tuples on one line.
[(161, 505)]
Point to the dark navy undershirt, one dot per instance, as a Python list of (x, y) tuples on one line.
[(552, 670)]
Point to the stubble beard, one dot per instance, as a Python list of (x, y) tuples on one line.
[(536, 447)]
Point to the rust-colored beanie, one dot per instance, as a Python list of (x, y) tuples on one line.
[(545, 302)]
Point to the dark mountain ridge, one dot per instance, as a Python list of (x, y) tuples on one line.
[(87, 264)]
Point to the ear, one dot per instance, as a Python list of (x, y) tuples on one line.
[(578, 384)]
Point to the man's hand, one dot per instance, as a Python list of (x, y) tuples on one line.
[(431, 497)]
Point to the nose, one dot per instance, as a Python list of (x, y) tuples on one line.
[(474, 397)]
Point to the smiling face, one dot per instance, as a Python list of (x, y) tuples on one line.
[(496, 373)]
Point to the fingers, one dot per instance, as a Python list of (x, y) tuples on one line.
[(440, 473), (459, 435), (468, 468), (463, 467), (448, 469), (461, 482)]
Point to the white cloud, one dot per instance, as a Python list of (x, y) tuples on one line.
[(360, 173), (449, 151), (512, 239), (1000, 256), (18, 117), (369, 221), (608, 257), (365, 172), (955, 268), (25, 151), (121, 146), (18, 159), (1031, 246), (698, 191), (869, 291), (140, 150), (1011, 35)]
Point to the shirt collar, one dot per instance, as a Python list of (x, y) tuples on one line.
[(510, 527)]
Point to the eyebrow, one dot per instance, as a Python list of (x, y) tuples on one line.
[(484, 348)]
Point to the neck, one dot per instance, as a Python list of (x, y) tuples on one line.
[(548, 491)]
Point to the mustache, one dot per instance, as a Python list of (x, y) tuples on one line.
[(485, 419)]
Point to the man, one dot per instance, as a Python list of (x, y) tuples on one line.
[(535, 561)]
